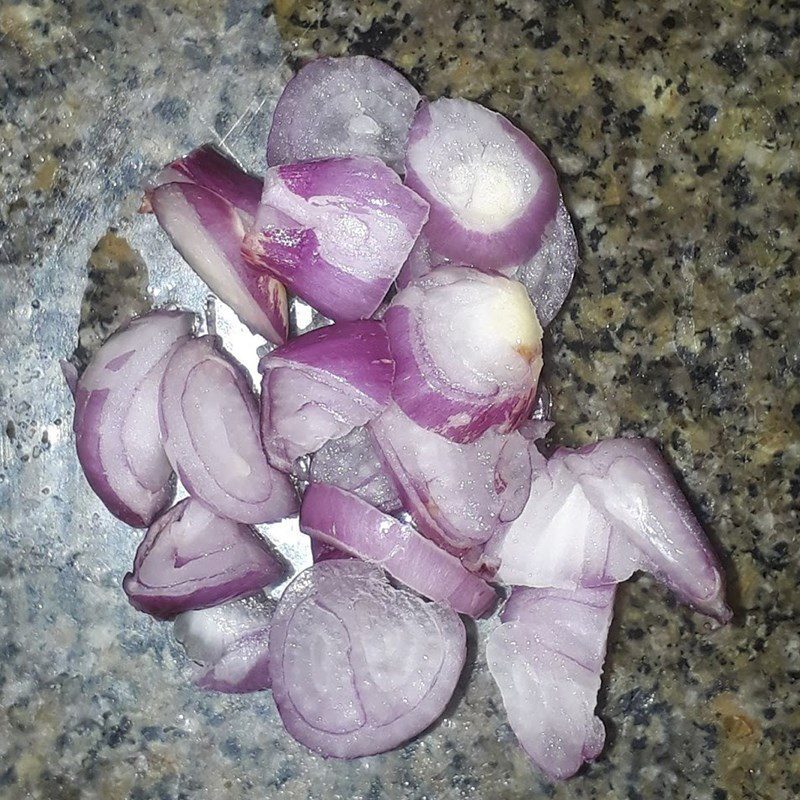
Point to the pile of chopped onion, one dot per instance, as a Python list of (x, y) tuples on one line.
[(406, 433)]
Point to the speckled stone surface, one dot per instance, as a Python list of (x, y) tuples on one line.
[(674, 128)]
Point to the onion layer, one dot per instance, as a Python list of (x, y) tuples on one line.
[(320, 386), (191, 558), (491, 191), (209, 420), (116, 427), (359, 667), (336, 232), (547, 658), (343, 520), (368, 107)]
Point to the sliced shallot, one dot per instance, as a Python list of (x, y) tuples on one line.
[(597, 515), (343, 520), (336, 232), (341, 107), (116, 426), (468, 352), (191, 558), (209, 420), (359, 667), (491, 190), (229, 644), (547, 659), (458, 494), (320, 386)]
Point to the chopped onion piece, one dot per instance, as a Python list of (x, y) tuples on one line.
[(336, 232), (491, 190), (343, 520), (359, 667), (458, 494), (207, 231), (547, 659), (116, 426), (421, 260), (348, 106), (352, 464), (229, 644), (191, 558), (209, 420), (595, 516), (321, 551), (468, 352), (320, 386)]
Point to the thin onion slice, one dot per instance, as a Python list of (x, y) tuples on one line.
[(208, 232), (459, 495), (116, 426), (191, 558), (597, 515), (209, 420), (352, 464), (468, 352), (359, 667), (547, 659), (335, 232), (229, 644), (320, 386), (348, 106), (491, 190), (343, 520)]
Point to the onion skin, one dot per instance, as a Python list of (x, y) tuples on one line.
[(320, 386), (547, 658), (115, 393), (205, 393), (343, 520), (357, 666), (433, 132), (336, 232), (192, 559)]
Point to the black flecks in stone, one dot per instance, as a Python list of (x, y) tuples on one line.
[(171, 109), (639, 743), (683, 87), (547, 39), (152, 734), (649, 43), (703, 116), (594, 236), (283, 774), (197, 57), (375, 40), (231, 748), (731, 60), (668, 22), (737, 182), (118, 732), (769, 713), (719, 794), (8, 777), (11, 430), (746, 286), (742, 337)]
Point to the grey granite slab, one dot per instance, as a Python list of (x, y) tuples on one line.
[(674, 127)]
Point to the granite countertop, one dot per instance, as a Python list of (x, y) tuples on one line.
[(674, 129)]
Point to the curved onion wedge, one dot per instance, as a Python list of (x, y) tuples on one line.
[(335, 232), (491, 190), (348, 106), (208, 232), (191, 558), (116, 426), (595, 516), (468, 352), (209, 421), (458, 494), (343, 520), (547, 659), (320, 386), (359, 667)]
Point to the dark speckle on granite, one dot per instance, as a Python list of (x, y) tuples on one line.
[(675, 135)]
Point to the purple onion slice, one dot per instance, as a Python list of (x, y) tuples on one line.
[(210, 425), (191, 558), (459, 495), (468, 352), (359, 667), (229, 644), (321, 551), (320, 386), (348, 106), (491, 190), (208, 232), (547, 659), (335, 232), (117, 434), (343, 520)]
